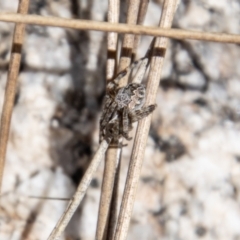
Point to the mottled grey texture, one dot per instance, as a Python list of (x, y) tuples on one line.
[(190, 185)]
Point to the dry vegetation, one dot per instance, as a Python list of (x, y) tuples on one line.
[(111, 224)]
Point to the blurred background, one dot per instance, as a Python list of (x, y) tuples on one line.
[(189, 186)]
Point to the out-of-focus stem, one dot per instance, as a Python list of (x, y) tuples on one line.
[(80, 192), (15, 59), (141, 17), (128, 40), (112, 155), (120, 28), (144, 125)]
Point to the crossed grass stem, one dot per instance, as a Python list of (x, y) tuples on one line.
[(187, 34)]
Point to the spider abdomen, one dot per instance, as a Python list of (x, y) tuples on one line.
[(137, 96), (122, 98)]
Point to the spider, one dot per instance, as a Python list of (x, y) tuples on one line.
[(122, 107)]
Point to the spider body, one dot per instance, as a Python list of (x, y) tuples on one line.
[(122, 107)]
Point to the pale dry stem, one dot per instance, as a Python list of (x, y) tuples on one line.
[(111, 160), (15, 59), (144, 125), (128, 40), (120, 28), (141, 17), (114, 204), (113, 156), (112, 39), (108, 207), (135, 15), (109, 203), (80, 192)]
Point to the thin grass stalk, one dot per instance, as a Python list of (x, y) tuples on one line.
[(141, 17), (120, 28), (80, 192), (108, 202), (125, 61), (144, 125), (111, 161), (128, 40), (113, 156), (114, 203), (112, 39), (14, 64)]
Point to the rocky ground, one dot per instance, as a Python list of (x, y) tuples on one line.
[(190, 177)]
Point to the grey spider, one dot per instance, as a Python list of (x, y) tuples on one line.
[(122, 107)]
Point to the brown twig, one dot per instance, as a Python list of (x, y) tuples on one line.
[(108, 207), (128, 40), (141, 17), (15, 59), (112, 39), (120, 28), (113, 214), (143, 127), (136, 14), (108, 202), (111, 160), (80, 192)]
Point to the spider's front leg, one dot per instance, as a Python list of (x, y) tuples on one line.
[(108, 113), (126, 127), (139, 114), (112, 130), (106, 104), (114, 83)]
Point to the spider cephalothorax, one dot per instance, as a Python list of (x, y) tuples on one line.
[(122, 107)]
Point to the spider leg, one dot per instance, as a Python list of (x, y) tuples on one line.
[(125, 124), (141, 113), (112, 130), (143, 61), (108, 114), (113, 84), (143, 65), (120, 76), (106, 117), (116, 134), (107, 103)]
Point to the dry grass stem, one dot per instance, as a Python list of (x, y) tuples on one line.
[(80, 192), (113, 156), (108, 186), (15, 59), (114, 204), (108, 203), (107, 228), (111, 160), (135, 15), (141, 17), (119, 28), (143, 127), (128, 40), (112, 39)]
